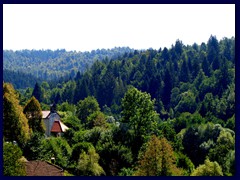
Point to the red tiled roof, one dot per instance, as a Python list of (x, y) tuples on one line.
[(42, 168), (56, 127)]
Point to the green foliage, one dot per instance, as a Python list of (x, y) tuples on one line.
[(126, 172), (184, 72), (33, 148), (192, 88), (87, 107), (65, 106), (79, 136), (20, 80), (53, 64), (231, 123), (167, 131), (12, 165), (88, 164), (183, 162), (96, 119), (230, 164), (57, 148), (78, 148), (220, 153), (114, 155), (187, 119), (70, 120), (33, 112), (208, 169), (187, 103), (138, 112), (210, 140)]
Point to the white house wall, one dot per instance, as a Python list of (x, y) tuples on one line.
[(49, 122)]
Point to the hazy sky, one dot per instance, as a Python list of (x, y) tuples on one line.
[(86, 27)]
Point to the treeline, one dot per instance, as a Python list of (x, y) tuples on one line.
[(51, 65), (20, 80), (197, 78)]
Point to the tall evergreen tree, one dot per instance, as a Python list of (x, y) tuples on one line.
[(178, 47), (166, 96), (37, 92), (206, 67), (213, 52), (33, 112), (224, 78), (184, 72)]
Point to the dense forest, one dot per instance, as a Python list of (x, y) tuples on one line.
[(48, 65), (160, 112)]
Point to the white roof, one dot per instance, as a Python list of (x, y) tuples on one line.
[(63, 126), (45, 114)]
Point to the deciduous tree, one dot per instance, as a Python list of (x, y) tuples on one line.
[(15, 124), (208, 169), (158, 159)]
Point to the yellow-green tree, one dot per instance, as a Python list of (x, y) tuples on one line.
[(88, 164), (208, 169), (12, 165), (158, 159), (15, 124)]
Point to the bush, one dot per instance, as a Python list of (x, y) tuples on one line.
[(12, 166)]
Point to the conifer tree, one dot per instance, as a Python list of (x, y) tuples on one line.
[(37, 92), (33, 112)]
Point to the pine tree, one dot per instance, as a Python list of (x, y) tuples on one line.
[(167, 89), (184, 72), (213, 52), (37, 92)]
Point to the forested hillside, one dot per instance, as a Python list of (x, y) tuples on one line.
[(180, 79), (158, 112), (51, 65)]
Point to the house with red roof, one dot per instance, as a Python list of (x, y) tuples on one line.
[(54, 125)]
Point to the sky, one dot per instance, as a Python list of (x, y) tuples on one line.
[(86, 27)]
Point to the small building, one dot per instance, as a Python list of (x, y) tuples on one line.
[(53, 124), (42, 168)]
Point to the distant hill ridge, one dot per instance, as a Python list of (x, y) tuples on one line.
[(51, 65)]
